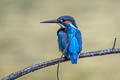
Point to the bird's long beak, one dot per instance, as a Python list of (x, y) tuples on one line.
[(50, 21)]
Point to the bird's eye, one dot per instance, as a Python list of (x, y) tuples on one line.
[(61, 20)]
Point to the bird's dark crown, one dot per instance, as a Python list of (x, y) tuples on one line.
[(67, 18)]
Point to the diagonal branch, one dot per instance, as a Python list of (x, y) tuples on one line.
[(35, 67)]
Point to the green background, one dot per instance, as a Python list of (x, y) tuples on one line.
[(25, 42)]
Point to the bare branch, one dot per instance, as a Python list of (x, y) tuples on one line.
[(35, 67)]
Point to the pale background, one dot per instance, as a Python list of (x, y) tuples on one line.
[(24, 41)]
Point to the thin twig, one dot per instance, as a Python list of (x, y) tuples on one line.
[(35, 67), (58, 68), (58, 71), (114, 43)]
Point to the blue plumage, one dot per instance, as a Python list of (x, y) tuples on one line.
[(70, 42), (69, 37)]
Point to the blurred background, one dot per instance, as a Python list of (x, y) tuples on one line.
[(25, 42)]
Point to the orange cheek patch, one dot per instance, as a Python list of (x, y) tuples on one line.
[(68, 22)]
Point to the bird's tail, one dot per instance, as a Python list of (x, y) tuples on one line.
[(73, 58)]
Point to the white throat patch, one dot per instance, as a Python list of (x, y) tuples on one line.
[(62, 25)]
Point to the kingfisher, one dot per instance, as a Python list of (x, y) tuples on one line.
[(69, 37)]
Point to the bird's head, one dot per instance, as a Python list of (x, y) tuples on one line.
[(63, 21)]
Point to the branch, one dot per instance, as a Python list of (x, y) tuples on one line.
[(35, 67)]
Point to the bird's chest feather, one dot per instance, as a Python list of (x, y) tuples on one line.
[(67, 39), (71, 32), (73, 44)]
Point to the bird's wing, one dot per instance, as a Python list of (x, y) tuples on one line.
[(79, 38), (62, 41)]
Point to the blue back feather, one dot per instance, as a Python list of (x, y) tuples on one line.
[(73, 37)]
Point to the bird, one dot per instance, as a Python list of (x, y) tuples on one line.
[(69, 37)]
